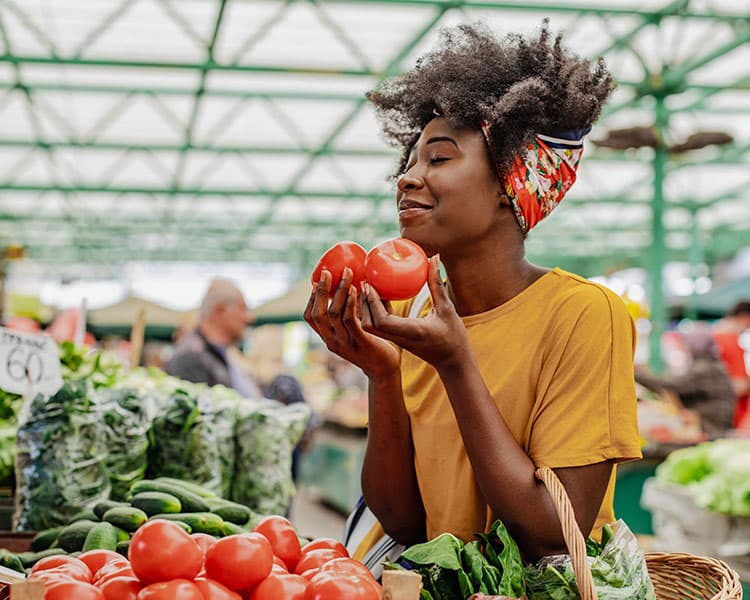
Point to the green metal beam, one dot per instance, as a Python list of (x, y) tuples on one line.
[(657, 252), (200, 90), (548, 7), (728, 155)]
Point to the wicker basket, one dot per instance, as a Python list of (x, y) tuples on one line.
[(675, 576)]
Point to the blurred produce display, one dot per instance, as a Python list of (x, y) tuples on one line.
[(104, 431)]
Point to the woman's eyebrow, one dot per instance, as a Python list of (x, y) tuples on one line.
[(443, 138)]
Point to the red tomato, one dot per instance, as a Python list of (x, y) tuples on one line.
[(121, 588), (277, 562), (284, 541), (213, 590), (177, 589), (277, 587), (161, 550), (96, 559), (316, 558), (342, 586), (50, 576), (310, 573), (204, 540), (113, 569), (397, 269), (68, 590), (346, 565), (239, 561), (64, 572), (325, 542), (336, 258), (51, 562)]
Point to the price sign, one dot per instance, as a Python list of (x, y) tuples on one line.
[(29, 363)]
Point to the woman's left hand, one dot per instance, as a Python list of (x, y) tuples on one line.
[(439, 338)]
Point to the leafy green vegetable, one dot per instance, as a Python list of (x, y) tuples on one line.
[(266, 433), (717, 474), (60, 457), (504, 554)]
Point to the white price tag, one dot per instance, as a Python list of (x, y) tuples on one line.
[(29, 363)]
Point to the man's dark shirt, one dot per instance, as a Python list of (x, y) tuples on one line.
[(196, 359)]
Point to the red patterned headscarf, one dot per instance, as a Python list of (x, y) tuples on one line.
[(542, 174)]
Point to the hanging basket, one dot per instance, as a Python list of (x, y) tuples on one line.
[(675, 576)]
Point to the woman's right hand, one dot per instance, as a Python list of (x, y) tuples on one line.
[(336, 319)]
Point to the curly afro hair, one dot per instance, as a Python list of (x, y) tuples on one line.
[(519, 86)]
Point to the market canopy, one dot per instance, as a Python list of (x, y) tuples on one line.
[(214, 130)]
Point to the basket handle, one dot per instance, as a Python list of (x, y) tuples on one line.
[(572, 534)]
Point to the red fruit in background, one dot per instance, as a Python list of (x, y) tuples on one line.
[(51, 562), (213, 590), (283, 538), (239, 561), (336, 258), (177, 589), (96, 559), (325, 542), (346, 565), (315, 559), (161, 550), (70, 590), (342, 586), (121, 588), (396, 268), (204, 541), (278, 587)]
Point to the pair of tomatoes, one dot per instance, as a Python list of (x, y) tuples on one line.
[(396, 268), (166, 563)]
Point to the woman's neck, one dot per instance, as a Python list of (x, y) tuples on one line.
[(476, 286)]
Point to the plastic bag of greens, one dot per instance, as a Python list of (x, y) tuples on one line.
[(267, 432), (221, 404), (126, 416), (183, 442), (618, 567), (60, 460)]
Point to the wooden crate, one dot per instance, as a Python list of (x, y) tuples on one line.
[(16, 541)]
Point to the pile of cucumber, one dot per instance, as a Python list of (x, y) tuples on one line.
[(109, 525)]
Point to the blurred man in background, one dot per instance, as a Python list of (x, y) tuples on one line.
[(727, 335), (203, 355)]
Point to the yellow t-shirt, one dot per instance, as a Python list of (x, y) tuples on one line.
[(558, 360)]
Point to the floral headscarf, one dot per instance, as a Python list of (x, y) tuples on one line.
[(542, 174)]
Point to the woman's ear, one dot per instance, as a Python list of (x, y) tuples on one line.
[(502, 198)]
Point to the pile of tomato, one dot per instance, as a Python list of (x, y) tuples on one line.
[(166, 563)]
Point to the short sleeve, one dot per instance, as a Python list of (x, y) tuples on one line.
[(586, 408)]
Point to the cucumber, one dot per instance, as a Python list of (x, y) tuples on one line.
[(123, 548), (102, 537), (45, 539), (29, 559), (87, 514), (156, 503), (190, 502), (126, 517), (239, 514), (199, 522), (184, 525), (11, 561), (122, 535), (101, 507), (230, 528), (190, 486), (73, 536)]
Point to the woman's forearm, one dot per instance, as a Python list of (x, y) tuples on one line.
[(389, 481)]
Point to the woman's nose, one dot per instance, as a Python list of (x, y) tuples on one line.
[(410, 181)]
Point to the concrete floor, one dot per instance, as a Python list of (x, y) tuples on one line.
[(312, 519)]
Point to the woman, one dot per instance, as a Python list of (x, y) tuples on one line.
[(509, 366)]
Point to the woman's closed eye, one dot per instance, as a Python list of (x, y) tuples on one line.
[(438, 159)]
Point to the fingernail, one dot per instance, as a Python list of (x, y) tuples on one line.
[(347, 272), (363, 287)]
